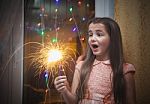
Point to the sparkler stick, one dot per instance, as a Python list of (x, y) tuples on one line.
[(61, 71)]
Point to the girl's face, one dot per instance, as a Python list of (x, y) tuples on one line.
[(99, 41)]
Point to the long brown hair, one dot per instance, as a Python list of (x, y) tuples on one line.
[(116, 60)]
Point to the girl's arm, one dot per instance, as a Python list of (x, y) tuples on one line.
[(62, 86), (130, 88)]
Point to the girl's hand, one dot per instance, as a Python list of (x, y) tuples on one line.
[(61, 84)]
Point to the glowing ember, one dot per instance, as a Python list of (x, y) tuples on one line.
[(54, 55)]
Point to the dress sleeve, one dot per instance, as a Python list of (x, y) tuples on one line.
[(76, 77), (128, 68)]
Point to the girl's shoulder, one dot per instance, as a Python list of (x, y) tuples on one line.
[(128, 68)]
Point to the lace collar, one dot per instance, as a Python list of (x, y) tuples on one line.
[(106, 62)]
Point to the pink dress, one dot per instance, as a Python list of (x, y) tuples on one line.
[(100, 82)]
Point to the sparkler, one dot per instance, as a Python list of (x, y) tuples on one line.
[(52, 56)]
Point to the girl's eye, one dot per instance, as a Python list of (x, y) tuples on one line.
[(90, 34), (99, 34)]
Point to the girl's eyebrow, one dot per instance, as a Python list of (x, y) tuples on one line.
[(96, 31), (99, 31), (89, 30)]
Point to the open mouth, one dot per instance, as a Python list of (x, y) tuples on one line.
[(95, 46)]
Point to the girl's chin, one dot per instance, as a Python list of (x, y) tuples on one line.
[(96, 53)]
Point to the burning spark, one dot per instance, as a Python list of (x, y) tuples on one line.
[(51, 56), (54, 55)]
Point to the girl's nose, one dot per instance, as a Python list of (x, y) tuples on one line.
[(93, 38)]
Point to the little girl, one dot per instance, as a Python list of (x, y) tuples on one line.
[(103, 77)]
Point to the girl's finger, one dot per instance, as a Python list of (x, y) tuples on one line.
[(59, 85), (60, 77)]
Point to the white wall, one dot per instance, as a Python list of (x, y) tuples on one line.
[(104, 8)]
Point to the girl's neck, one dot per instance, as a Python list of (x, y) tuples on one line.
[(102, 58)]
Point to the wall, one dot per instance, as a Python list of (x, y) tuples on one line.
[(104, 8), (133, 18), (11, 51)]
